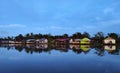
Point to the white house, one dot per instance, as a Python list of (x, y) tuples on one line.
[(30, 41), (41, 41), (11, 42), (109, 40), (74, 41)]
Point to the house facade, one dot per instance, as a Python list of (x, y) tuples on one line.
[(109, 40), (61, 41), (74, 41), (85, 41), (4, 41), (41, 41), (30, 41)]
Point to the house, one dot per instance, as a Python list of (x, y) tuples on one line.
[(30, 41), (74, 41), (4, 41), (109, 41), (41, 41), (110, 48), (11, 42), (85, 41), (61, 41), (85, 48), (18, 42)]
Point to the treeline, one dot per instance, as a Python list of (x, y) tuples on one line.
[(97, 38)]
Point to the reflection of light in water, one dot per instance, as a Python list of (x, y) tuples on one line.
[(110, 48)]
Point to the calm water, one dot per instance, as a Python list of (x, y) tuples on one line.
[(58, 60)]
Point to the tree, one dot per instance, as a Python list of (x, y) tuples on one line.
[(77, 35), (98, 38), (85, 34), (113, 35), (65, 35), (19, 37)]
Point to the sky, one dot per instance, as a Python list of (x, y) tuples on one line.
[(58, 16)]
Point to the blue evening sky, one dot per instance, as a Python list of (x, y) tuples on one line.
[(58, 16)]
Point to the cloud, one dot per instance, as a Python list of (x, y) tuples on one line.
[(108, 10), (110, 23), (100, 25), (53, 28), (12, 26), (104, 26)]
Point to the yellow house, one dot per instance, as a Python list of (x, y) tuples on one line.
[(85, 41), (109, 40)]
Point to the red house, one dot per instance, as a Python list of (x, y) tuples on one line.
[(62, 41)]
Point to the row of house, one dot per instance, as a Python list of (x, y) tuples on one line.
[(37, 41), (85, 41), (62, 41), (29, 41)]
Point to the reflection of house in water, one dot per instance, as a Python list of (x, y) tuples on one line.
[(85, 48), (74, 46), (30, 45), (61, 41), (37, 46), (109, 40), (110, 48), (41, 46), (41, 41), (74, 41), (62, 47), (85, 41), (4, 45)]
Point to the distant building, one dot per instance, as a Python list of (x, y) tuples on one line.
[(7, 42), (109, 40), (11, 42), (4, 41), (41, 41), (61, 41), (18, 42), (74, 41), (85, 41), (30, 41)]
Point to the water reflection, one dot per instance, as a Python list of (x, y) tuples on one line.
[(39, 48)]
